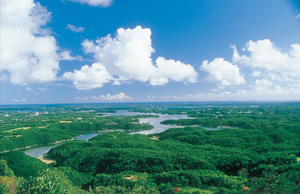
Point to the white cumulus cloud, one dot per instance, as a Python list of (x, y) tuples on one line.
[(101, 3), (274, 69), (264, 82), (173, 70), (66, 55), (256, 73), (127, 57), (108, 97), (120, 96), (89, 77), (28, 51), (43, 89), (28, 88), (264, 55), (223, 72), (75, 29), (19, 100)]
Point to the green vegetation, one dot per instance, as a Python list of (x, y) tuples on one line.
[(8, 182), (49, 181), (252, 149), (226, 167), (23, 165), (38, 125)]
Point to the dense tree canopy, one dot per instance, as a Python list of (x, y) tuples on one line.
[(229, 148)]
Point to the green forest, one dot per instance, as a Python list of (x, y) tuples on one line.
[(30, 126), (221, 148)]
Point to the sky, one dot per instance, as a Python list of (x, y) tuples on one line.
[(97, 51)]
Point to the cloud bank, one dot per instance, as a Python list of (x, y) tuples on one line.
[(66, 56), (108, 97), (95, 3), (223, 72), (74, 28), (28, 51), (120, 96), (89, 77), (270, 72), (127, 57), (276, 72), (29, 54), (266, 57)]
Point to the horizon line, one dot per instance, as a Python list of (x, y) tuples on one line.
[(157, 102)]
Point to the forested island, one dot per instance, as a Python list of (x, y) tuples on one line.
[(219, 148)]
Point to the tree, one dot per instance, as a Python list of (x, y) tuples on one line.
[(49, 181)]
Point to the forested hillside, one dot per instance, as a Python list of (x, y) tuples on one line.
[(230, 150), (42, 125)]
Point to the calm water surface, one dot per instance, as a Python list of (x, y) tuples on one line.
[(39, 151), (155, 122)]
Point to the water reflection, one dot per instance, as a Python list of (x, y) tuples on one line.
[(154, 121), (40, 151)]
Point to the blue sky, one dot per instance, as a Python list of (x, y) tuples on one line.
[(85, 51)]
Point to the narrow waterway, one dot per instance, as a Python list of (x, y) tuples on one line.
[(39, 151), (154, 121)]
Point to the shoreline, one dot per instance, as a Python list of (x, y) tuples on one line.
[(66, 140), (36, 145), (46, 160)]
